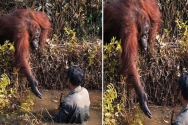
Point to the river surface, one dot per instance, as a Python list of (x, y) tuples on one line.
[(162, 115), (50, 102), (47, 107)]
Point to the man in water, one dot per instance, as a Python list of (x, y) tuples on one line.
[(75, 108), (182, 118)]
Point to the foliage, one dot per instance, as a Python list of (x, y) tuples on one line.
[(111, 61), (51, 66), (5, 94), (71, 34), (183, 29), (115, 97), (6, 49), (10, 98), (172, 12), (109, 109)]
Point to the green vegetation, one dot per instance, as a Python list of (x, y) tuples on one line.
[(110, 111), (5, 94), (17, 100), (10, 98), (115, 98)]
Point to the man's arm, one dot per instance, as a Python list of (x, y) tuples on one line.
[(176, 123), (64, 112)]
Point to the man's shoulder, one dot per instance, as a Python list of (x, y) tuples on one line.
[(82, 93), (84, 89), (185, 114), (182, 118)]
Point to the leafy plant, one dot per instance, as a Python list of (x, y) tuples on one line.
[(115, 112), (111, 61), (10, 98), (110, 110), (5, 94), (183, 33)]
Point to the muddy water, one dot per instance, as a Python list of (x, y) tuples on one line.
[(161, 115), (48, 106), (50, 102)]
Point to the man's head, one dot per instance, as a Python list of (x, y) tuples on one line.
[(75, 75), (183, 85)]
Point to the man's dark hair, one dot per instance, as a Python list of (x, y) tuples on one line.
[(76, 75), (183, 85)]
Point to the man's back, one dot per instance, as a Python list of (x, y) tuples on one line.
[(75, 107)]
